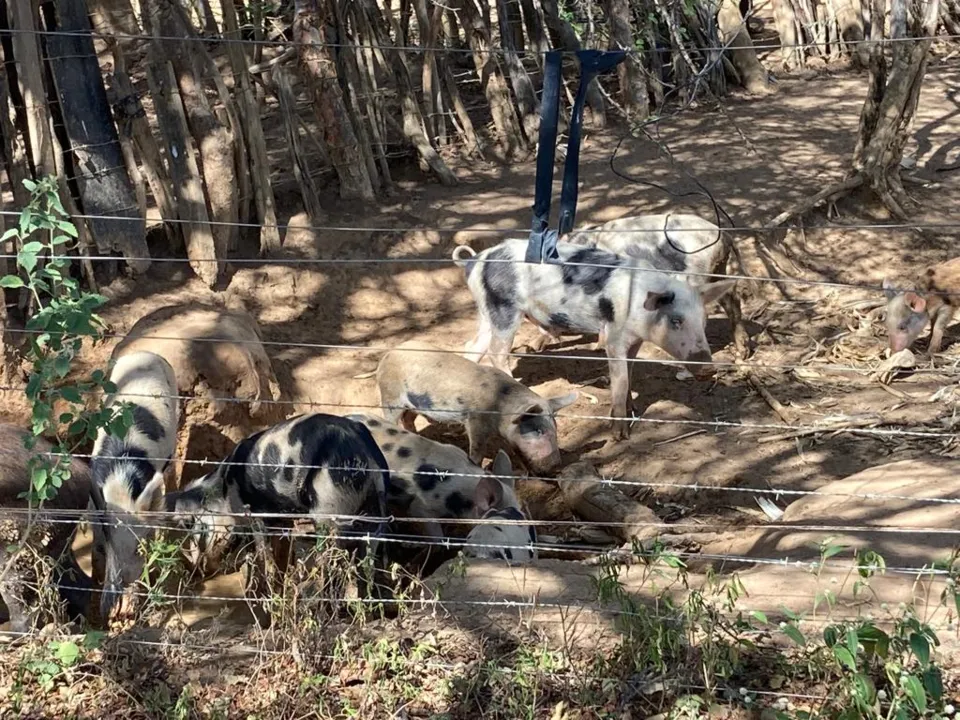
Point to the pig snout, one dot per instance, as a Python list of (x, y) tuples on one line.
[(898, 342), (698, 370), (541, 455)]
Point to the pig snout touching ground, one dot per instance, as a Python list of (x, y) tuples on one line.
[(127, 472), (625, 300), (512, 540), (22, 542), (317, 465), (418, 378), (935, 301), (434, 481)]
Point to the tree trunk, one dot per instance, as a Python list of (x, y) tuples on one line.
[(491, 79), (205, 12), (565, 37), (288, 111), (523, 90), (430, 77), (879, 154), (785, 20), (633, 86), (215, 142), (249, 112), (533, 20), (733, 30), (14, 149), (100, 169), (371, 88), (319, 70), (414, 128), (132, 123), (511, 23), (187, 183), (26, 51)]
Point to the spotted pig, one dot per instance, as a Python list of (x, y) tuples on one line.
[(590, 291), (128, 471), (935, 301), (419, 378), (434, 480)]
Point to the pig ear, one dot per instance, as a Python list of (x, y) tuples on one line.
[(711, 292), (151, 498), (889, 289), (535, 409), (915, 302), (562, 401), (502, 468), (656, 300), (488, 494)]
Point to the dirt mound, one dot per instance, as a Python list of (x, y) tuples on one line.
[(218, 356)]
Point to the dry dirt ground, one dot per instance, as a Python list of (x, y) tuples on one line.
[(325, 320)]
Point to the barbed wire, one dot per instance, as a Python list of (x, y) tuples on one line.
[(759, 46)]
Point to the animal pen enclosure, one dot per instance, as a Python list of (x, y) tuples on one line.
[(268, 196)]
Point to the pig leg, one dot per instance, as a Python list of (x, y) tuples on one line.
[(618, 352), (730, 302), (477, 348), (393, 408), (478, 435), (940, 321)]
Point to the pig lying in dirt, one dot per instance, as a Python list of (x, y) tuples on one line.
[(419, 378), (128, 472), (591, 291), (51, 539), (319, 465), (429, 479), (215, 352), (935, 301)]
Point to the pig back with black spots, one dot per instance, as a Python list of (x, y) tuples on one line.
[(128, 481), (319, 465), (47, 535), (429, 479), (419, 378)]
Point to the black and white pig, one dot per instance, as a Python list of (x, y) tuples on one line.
[(419, 378), (319, 465), (694, 248), (434, 480), (127, 472), (589, 291), (48, 535)]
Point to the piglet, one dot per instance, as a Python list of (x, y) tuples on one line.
[(935, 301), (419, 378), (434, 480)]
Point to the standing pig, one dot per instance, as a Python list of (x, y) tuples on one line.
[(319, 465), (419, 378), (434, 480), (589, 291), (128, 471), (51, 537), (935, 302)]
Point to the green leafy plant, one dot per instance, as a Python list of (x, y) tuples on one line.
[(63, 316)]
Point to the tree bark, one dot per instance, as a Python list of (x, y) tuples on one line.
[(785, 20), (249, 112), (187, 183), (14, 148), (319, 70), (491, 79), (565, 37), (215, 142), (288, 111), (733, 30), (534, 22), (523, 91), (430, 77), (105, 188), (633, 86), (26, 50)]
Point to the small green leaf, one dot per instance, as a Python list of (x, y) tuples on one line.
[(33, 247), (852, 641), (844, 657), (830, 635), (914, 690), (864, 689), (68, 227), (27, 261), (794, 634), (30, 185), (70, 394), (93, 639), (833, 550), (11, 281), (933, 683), (12, 232), (759, 616), (921, 648), (67, 653)]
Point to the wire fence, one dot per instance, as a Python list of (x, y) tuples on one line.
[(934, 527)]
